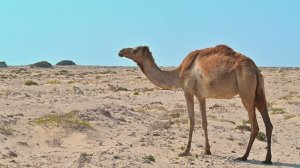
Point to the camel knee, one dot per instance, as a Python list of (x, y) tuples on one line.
[(269, 128)]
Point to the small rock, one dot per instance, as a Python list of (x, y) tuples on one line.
[(147, 161), (127, 146), (132, 134), (12, 154), (106, 113), (122, 119), (77, 90), (183, 136), (116, 157), (156, 133), (233, 151), (142, 139), (23, 144), (119, 144), (199, 145)]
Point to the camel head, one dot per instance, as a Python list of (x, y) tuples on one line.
[(137, 54)]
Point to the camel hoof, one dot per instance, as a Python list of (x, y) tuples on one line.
[(241, 158), (269, 162), (207, 152)]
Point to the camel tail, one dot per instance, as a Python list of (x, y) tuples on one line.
[(260, 97)]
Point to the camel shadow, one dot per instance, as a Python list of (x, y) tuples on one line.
[(258, 162), (277, 164)]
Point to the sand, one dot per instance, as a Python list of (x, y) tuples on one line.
[(120, 119)]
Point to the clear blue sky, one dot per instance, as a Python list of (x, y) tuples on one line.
[(91, 32)]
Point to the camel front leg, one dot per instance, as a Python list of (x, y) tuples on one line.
[(204, 124), (190, 106)]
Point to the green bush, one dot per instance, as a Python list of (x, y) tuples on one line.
[(30, 83), (261, 136)]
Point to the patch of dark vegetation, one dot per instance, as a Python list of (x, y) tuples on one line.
[(116, 88), (30, 83), (261, 136), (42, 64), (66, 63), (65, 120), (243, 127), (3, 64)]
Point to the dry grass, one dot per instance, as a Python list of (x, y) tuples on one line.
[(288, 116), (277, 111), (116, 88), (108, 72), (243, 127), (73, 81), (6, 92), (5, 130), (53, 82), (66, 120)]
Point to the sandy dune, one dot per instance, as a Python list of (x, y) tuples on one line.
[(114, 117)]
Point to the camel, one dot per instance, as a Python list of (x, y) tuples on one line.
[(218, 72)]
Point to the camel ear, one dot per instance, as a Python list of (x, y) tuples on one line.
[(145, 48)]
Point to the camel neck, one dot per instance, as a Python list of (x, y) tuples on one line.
[(161, 78)]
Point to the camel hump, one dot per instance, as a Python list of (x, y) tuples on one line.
[(188, 61), (223, 49)]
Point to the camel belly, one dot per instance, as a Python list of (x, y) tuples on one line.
[(224, 87)]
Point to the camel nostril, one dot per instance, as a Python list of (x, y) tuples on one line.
[(121, 53)]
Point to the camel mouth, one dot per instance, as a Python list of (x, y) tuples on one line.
[(121, 54)]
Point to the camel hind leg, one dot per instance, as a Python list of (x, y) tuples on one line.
[(250, 107), (261, 105), (246, 79)]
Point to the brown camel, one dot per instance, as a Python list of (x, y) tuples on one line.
[(217, 72)]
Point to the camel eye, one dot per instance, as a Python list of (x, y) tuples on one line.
[(134, 51)]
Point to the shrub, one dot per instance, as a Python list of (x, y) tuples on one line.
[(277, 111), (243, 127), (261, 136), (53, 82), (30, 83), (151, 158), (289, 116), (3, 64), (42, 64), (66, 63)]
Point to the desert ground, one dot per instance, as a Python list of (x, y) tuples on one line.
[(84, 116)]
